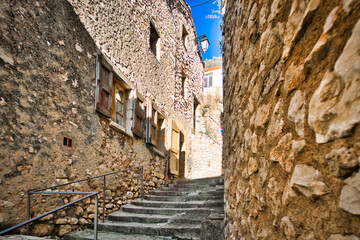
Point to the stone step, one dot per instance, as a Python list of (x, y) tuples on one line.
[(165, 193), (167, 211), (183, 198), (183, 186), (154, 218), (20, 237), (190, 192), (188, 189), (180, 204), (122, 216), (157, 229), (201, 180), (172, 212), (88, 234), (196, 184)]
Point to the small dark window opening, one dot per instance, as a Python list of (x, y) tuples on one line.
[(183, 79), (154, 38), (67, 142)]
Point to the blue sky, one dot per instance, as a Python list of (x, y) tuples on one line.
[(207, 26)]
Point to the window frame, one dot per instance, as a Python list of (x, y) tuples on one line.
[(154, 117), (115, 77), (139, 115), (116, 84), (161, 136), (207, 81)]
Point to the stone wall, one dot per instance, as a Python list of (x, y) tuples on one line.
[(48, 83), (291, 119), (121, 29), (206, 146)]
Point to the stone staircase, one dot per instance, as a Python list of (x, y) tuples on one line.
[(173, 212)]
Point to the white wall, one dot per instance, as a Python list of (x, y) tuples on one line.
[(217, 83)]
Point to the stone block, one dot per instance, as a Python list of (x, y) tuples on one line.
[(307, 181), (333, 108), (212, 227), (64, 229), (350, 195), (61, 221), (42, 230)]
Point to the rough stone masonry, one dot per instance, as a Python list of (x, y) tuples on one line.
[(49, 53), (291, 119)]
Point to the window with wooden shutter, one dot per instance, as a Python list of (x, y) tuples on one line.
[(119, 107), (105, 91), (161, 132), (175, 140), (138, 128), (153, 127)]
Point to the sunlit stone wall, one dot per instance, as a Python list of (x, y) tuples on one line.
[(291, 119)]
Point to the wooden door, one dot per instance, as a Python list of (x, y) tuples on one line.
[(182, 156), (175, 149)]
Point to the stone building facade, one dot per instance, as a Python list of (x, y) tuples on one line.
[(205, 157), (89, 88), (291, 119)]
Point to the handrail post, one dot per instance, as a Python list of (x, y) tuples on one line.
[(96, 218), (103, 215), (28, 213), (142, 182)]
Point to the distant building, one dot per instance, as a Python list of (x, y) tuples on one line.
[(205, 158), (213, 81)]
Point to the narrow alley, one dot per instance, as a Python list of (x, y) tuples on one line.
[(116, 123)]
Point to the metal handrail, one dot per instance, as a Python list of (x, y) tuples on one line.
[(90, 194), (212, 120)]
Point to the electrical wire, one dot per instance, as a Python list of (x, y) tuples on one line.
[(196, 5)]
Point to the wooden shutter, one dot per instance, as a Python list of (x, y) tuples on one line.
[(151, 124), (138, 128), (174, 149), (161, 133), (148, 128), (153, 127), (105, 91)]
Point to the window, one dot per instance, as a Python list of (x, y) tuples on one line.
[(183, 80), (208, 81), (155, 127), (105, 90), (185, 37), (118, 105), (67, 142), (160, 141), (154, 41), (114, 96), (138, 128)]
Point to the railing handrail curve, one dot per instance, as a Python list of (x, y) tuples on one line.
[(86, 179), (90, 194)]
